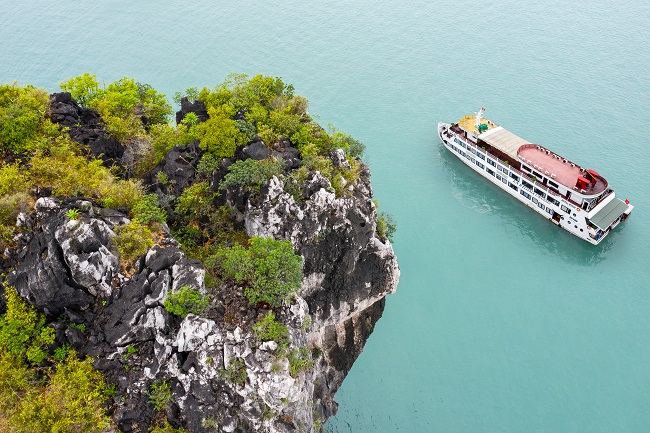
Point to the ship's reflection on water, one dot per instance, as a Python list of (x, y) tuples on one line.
[(480, 195)]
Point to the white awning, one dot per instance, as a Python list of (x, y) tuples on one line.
[(504, 140), (607, 215)]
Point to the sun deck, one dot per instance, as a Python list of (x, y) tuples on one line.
[(468, 123), (566, 172)]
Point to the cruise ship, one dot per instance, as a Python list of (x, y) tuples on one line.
[(573, 197)]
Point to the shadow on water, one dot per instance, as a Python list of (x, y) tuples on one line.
[(475, 193)]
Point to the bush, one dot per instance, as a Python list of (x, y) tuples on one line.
[(251, 174), (23, 125), (71, 401), (270, 269), (185, 301), (195, 201), (299, 360), (219, 135), (67, 397), (207, 165), (68, 173), (120, 194), (160, 393), (132, 240), (147, 210), (269, 329), (235, 373), (23, 334), (386, 226)]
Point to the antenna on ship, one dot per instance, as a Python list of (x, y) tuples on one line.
[(478, 118)]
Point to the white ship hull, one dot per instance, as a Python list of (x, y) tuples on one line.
[(519, 185)]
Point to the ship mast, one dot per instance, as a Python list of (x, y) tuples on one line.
[(478, 118)]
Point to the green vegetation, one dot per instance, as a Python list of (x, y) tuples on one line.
[(269, 329), (251, 174), (132, 240), (299, 360), (195, 202), (72, 214), (386, 226), (44, 386), (185, 301), (270, 270), (121, 104), (23, 334), (272, 111), (24, 126), (67, 396), (235, 373), (160, 392), (146, 210), (165, 427)]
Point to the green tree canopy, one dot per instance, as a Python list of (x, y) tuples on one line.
[(270, 270)]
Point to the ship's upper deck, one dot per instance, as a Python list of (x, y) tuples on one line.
[(560, 169), (542, 160)]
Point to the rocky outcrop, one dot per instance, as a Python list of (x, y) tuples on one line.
[(221, 376), (348, 270), (197, 107), (86, 127)]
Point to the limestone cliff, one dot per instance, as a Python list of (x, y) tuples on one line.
[(70, 270)]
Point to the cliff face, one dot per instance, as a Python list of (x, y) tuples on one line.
[(70, 270)]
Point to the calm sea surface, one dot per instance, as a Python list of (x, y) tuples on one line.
[(502, 322)]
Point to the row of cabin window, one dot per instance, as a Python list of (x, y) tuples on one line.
[(539, 176), (503, 179), (539, 203)]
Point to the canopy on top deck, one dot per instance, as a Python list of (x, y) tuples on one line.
[(607, 215), (504, 140)]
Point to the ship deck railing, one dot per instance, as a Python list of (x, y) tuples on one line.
[(541, 186)]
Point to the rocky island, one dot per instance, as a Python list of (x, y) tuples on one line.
[(219, 275)]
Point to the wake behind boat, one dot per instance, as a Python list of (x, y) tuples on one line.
[(577, 199)]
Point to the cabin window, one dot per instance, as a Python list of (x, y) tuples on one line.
[(535, 200), (525, 168), (480, 155), (480, 164), (471, 149), (462, 153), (513, 186), (540, 193), (504, 180), (541, 205), (537, 175), (490, 171), (554, 201), (565, 209), (549, 210), (499, 176), (492, 163), (514, 176), (527, 185), (466, 155), (525, 194), (499, 168), (553, 184), (472, 158)]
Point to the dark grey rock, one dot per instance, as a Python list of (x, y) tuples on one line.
[(197, 107)]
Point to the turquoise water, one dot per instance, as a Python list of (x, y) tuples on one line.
[(502, 322)]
